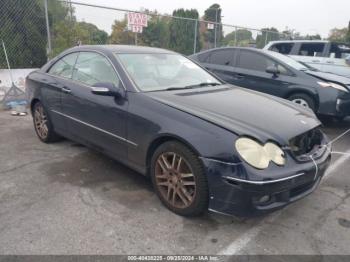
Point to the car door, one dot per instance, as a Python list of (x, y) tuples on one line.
[(54, 83), (220, 63), (251, 73), (311, 53), (96, 119)]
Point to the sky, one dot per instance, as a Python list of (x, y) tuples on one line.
[(305, 16)]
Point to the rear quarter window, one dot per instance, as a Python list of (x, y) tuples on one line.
[(204, 57)]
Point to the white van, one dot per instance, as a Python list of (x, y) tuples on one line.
[(325, 56)]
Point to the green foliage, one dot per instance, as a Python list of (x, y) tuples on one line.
[(68, 33), (182, 32), (24, 35), (338, 35), (120, 34), (156, 33), (313, 37), (213, 13), (347, 38), (267, 35), (240, 37)]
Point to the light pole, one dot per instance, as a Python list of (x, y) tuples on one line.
[(216, 24), (49, 49)]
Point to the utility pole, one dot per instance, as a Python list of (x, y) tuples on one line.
[(195, 36), (47, 30), (216, 24)]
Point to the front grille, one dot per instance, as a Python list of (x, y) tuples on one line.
[(311, 143)]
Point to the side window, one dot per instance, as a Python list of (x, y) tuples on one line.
[(254, 61), (283, 70), (92, 68), (64, 66), (222, 57), (311, 49), (339, 51), (283, 48), (204, 57)]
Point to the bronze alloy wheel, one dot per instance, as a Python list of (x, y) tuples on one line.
[(41, 122), (175, 180)]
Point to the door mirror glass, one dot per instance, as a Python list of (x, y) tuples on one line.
[(106, 89), (272, 70)]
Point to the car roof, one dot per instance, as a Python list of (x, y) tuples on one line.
[(298, 41), (121, 49), (232, 47)]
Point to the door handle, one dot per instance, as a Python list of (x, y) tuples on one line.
[(66, 90), (330, 62), (240, 76), (315, 61)]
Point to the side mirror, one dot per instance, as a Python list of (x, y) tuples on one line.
[(272, 70), (347, 60), (107, 89)]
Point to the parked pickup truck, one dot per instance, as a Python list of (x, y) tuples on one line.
[(325, 56)]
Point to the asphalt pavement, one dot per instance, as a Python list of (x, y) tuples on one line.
[(64, 198)]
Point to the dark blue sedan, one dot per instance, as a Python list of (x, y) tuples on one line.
[(205, 144)]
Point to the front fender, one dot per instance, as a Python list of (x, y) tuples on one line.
[(150, 120), (328, 101)]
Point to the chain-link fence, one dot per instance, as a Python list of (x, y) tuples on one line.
[(37, 30)]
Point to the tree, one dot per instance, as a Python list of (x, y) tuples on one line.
[(213, 13), (240, 37), (338, 34), (267, 35), (120, 33), (182, 32), (23, 30), (348, 34), (313, 37), (156, 33), (347, 38), (67, 34)]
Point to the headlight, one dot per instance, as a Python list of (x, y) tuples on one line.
[(257, 155), (334, 85)]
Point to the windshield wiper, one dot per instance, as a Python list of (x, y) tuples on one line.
[(204, 84), (192, 86)]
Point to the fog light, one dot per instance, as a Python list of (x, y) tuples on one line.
[(264, 199), (337, 107)]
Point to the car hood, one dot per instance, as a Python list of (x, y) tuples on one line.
[(329, 77), (242, 111)]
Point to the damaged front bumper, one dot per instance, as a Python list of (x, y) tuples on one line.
[(238, 189)]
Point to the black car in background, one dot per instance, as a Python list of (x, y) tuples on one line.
[(166, 117), (279, 75)]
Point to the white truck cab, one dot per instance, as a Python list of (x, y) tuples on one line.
[(325, 56)]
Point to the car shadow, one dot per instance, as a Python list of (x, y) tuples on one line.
[(113, 182)]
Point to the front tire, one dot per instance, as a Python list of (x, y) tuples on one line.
[(179, 180), (43, 125), (303, 100)]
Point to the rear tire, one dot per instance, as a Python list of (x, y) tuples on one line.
[(43, 125), (303, 100), (179, 180)]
